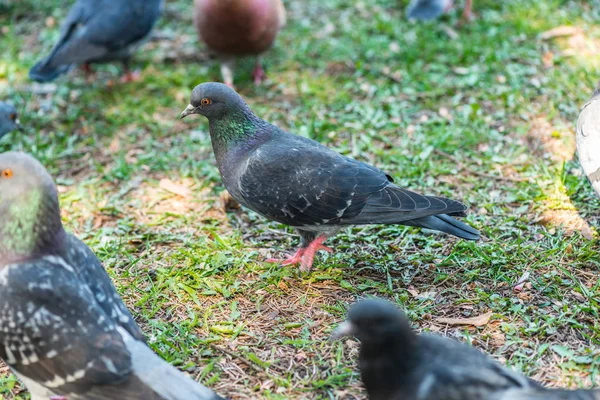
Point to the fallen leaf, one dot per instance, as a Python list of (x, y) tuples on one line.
[(564, 30), (175, 188), (474, 321)]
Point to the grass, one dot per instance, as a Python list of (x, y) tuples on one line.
[(486, 117)]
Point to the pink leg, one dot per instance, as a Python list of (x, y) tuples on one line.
[(305, 255), (467, 15), (311, 250), (258, 73)]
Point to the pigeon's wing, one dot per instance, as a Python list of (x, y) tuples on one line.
[(300, 183), (588, 141), (71, 47), (469, 382), (96, 29), (93, 274), (54, 332)]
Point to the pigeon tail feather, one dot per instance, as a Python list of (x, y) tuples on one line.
[(447, 224), (43, 71)]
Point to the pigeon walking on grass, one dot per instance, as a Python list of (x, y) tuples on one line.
[(64, 331), (397, 364), (9, 119), (238, 28), (588, 139), (300, 183), (98, 31)]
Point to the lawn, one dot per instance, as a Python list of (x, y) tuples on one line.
[(483, 113)]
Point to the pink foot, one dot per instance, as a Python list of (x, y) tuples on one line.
[(131, 76), (259, 74), (305, 256), (295, 259)]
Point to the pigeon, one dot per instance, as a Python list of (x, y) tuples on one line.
[(431, 9), (301, 183), (97, 31), (396, 364), (64, 331), (9, 119), (235, 28), (588, 139)]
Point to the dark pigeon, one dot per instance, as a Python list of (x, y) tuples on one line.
[(588, 139), (425, 10), (238, 28), (64, 331), (9, 119), (397, 364), (98, 31), (298, 182)]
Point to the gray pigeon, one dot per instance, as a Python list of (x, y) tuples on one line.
[(98, 31), (588, 139), (298, 182), (431, 9), (9, 119), (397, 364), (64, 331)]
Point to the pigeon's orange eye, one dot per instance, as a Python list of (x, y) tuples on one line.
[(7, 173), (13, 116), (205, 102)]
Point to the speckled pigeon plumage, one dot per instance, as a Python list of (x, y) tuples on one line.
[(298, 182), (588, 139), (238, 28), (64, 331), (97, 31), (397, 364), (9, 119)]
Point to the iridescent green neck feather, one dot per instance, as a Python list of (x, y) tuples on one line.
[(30, 226), (234, 128)]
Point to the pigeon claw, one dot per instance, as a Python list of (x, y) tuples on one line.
[(295, 259), (304, 255)]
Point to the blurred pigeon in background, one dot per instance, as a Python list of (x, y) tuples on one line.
[(397, 364), (298, 182), (98, 31), (431, 9), (9, 119), (588, 139), (237, 28), (64, 330)]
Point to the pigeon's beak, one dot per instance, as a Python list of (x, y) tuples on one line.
[(188, 110), (343, 329), (18, 124)]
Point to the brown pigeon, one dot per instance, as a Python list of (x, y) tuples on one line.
[(237, 28)]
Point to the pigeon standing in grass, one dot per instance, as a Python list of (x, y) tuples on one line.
[(97, 31), (9, 119), (431, 9), (237, 28), (588, 139), (298, 182), (396, 364), (64, 331)]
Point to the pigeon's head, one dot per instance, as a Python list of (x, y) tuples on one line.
[(9, 119), (214, 100), (375, 321), (29, 213)]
